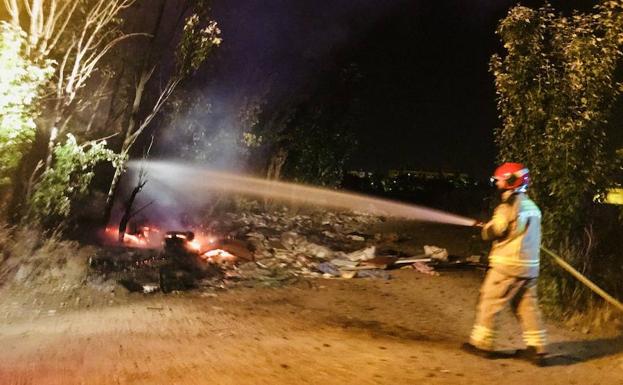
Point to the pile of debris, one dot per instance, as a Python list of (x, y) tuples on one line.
[(271, 249)]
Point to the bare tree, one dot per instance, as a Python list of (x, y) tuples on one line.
[(199, 37), (78, 34)]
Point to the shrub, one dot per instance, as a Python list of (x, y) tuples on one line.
[(556, 87)]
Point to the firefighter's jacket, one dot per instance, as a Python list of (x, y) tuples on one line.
[(516, 233)]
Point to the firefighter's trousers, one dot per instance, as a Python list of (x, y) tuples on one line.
[(497, 291)]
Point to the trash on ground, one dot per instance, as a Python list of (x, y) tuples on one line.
[(267, 248), (436, 253), (424, 269)]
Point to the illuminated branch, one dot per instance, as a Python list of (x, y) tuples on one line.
[(66, 15), (14, 10)]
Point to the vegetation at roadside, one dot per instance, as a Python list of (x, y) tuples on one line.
[(69, 101), (557, 84)]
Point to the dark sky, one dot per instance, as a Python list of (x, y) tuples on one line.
[(427, 94)]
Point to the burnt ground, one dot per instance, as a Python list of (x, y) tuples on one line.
[(309, 331)]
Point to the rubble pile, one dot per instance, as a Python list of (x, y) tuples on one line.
[(276, 247)]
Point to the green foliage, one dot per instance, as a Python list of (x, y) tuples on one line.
[(21, 82), (555, 90), (318, 153), (196, 44), (316, 128), (68, 180)]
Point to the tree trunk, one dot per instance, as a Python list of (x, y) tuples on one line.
[(274, 170), (112, 115), (53, 135), (133, 122), (125, 147), (127, 215), (276, 164)]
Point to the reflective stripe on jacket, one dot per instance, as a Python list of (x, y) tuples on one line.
[(516, 233)]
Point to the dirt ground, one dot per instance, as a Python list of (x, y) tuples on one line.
[(404, 330)]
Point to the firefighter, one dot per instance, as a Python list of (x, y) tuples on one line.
[(515, 230)]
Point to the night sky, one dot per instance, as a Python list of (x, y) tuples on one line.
[(427, 94)]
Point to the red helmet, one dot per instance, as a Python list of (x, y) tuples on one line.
[(516, 176)]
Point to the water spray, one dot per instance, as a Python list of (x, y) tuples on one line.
[(184, 178)]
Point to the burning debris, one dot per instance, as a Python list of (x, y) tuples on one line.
[(263, 248)]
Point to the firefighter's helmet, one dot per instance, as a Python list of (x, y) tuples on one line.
[(516, 175)]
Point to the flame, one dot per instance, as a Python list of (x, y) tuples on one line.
[(150, 236), (194, 245), (146, 236), (133, 239)]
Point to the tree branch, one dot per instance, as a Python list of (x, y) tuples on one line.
[(61, 30)]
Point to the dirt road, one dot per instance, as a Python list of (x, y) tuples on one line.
[(364, 331)]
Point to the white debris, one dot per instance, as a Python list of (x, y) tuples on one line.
[(357, 238), (344, 263), (436, 253), (150, 288), (362, 255), (424, 269)]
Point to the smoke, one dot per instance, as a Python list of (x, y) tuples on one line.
[(168, 202)]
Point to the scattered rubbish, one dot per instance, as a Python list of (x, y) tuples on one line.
[(362, 255), (328, 268), (348, 274), (273, 248), (424, 268), (219, 256), (380, 262), (345, 263), (357, 238), (473, 259), (436, 253), (414, 259), (150, 288)]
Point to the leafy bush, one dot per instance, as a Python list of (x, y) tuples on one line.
[(68, 180), (21, 81), (555, 91)]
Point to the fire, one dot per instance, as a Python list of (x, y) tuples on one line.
[(195, 243), (145, 236)]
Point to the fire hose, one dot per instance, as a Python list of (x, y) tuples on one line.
[(579, 276), (590, 284)]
